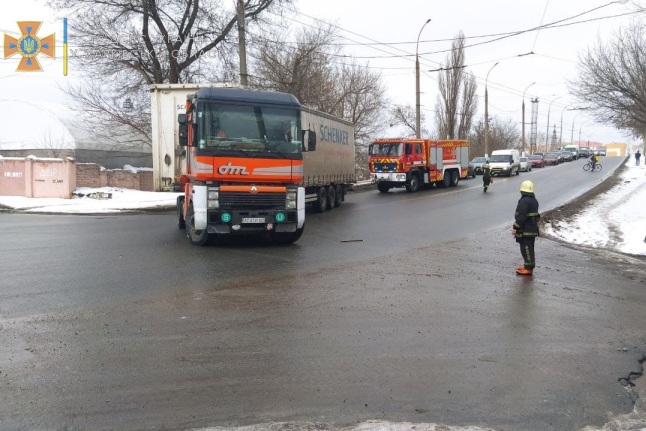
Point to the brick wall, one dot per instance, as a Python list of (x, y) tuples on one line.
[(92, 175)]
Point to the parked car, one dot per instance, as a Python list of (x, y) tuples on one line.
[(471, 173), (567, 156), (537, 160), (551, 159), (525, 164), (478, 164)]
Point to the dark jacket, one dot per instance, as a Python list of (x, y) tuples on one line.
[(527, 216)]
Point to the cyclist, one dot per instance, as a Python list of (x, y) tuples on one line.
[(594, 159)]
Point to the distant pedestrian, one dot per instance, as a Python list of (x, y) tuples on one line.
[(638, 156), (487, 177), (525, 228)]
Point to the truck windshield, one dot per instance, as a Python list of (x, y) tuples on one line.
[(235, 128), (394, 149), (501, 158)]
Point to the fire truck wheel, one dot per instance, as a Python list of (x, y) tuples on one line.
[(321, 200), (338, 198), (446, 181), (413, 184), (331, 197), (197, 237), (455, 178), (383, 188), (287, 237), (181, 223)]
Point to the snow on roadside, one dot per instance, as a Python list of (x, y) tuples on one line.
[(616, 219)]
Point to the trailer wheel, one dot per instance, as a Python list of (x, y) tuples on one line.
[(382, 187), (181, 223), (197, 237), (339, 195), (413, 184), (321, 200), (287, 237), (331, 197), (455, 178)]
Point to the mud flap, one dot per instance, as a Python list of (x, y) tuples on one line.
[(200, 194)]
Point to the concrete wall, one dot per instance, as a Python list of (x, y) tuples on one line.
[(37, 178)]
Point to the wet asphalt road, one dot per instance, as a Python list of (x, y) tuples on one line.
[(399, 307)]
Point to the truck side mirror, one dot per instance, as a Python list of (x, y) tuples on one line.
[(182, 132), (311, 141), (370, 147)]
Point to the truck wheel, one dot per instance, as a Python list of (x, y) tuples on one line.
[(197, 237), (331, 197), (455, 178), (446, 181), (517, 172), (287, 237), (413, 184), (321, 200), (181, 223), (338, 198), (382, 187)]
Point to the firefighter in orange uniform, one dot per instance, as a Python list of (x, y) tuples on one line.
[(525, 228)]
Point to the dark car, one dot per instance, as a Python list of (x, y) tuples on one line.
[(537, 160), (478, 164), (567, 156), (551, 159)]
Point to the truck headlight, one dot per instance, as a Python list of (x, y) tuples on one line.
[(213, 200), (291, 200)]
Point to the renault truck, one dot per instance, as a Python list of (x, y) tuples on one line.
[(247, 161)]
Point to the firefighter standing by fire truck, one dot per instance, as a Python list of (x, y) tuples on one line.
[(525, 227)]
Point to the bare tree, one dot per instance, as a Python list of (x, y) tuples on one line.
[(55, 145), (132, 44), (404, 115), (307, 65), (503, 134), (457, 94), (612, 80)]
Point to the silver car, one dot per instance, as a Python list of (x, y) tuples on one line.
[(525, 164)]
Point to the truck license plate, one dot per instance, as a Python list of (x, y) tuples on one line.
[(253, 220)]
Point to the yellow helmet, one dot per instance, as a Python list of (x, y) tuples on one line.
[(527, 186)]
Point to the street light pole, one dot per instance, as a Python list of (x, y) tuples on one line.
[(561, 132), (523, 126), (486, 143), (417, 112), (547, 132)]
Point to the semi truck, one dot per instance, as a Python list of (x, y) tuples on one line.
[(247, 161), (414, 163)]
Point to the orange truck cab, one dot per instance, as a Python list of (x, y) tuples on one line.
[(247, 161)]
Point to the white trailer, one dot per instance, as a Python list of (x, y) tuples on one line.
[(330, 170)]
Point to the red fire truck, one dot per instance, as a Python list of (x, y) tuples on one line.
[(412, 163)]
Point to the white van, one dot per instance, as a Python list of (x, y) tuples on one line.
[(505, 162)]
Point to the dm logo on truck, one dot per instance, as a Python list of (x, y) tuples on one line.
[(232, 170), (29, 46)]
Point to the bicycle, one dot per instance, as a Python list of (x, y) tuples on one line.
[(588, 166)]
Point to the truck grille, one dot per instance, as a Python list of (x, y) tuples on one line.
[(248, 201), (385, 167)]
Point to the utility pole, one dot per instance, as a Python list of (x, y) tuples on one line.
[(242, 43), (523, 126), (417, 102), (486, 143)]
